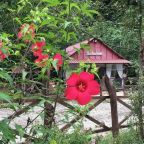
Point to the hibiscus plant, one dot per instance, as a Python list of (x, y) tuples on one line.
[(34, 60)]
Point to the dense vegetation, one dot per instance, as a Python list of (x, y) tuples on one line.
[(115, 22), (60, 23)]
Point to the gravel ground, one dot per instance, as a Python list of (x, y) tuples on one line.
[(102, 113)]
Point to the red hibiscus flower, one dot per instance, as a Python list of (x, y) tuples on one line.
[(81, 87), (41, 57), (2, 54), (37, 48), (41, 61), (58, 57), (27, 32)]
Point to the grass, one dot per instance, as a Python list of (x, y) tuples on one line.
[(125, 137)]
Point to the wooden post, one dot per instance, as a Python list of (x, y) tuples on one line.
[(113, 103)]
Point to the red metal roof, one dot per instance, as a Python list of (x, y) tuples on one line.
[(99, 53), (73, 48)]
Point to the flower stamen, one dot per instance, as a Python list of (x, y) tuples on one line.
[(81, 86)]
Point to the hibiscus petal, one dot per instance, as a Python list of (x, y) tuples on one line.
[(72, 80), (19, 35), (41, 44), (59, 58), (83, 98), (71, 93), (93, 87), (86, 76)]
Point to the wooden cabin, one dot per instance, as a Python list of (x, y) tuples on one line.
[(109, 62)]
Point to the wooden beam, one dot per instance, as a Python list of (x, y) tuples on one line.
[(97, 122), (124, 103), (113, 103), (21, 111), (126, 117), (105, 130), (80, 114), (87, 116)]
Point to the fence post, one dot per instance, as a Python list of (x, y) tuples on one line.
[(113, 103)]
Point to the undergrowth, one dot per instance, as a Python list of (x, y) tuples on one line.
[(125, 137)]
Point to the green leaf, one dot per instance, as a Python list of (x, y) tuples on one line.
[(4, 75), (85, 46), (20, 130), (66, 24), (5, 97), (11, 10), (24, 74), (44, 22), (75, 6), (7, 132), (52, 2), (87, 11), (25, 29), (18, 20), (54, 64), (53, 142), (43, 71)]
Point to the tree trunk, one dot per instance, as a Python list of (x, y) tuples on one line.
[(141, 73), (49, 109)]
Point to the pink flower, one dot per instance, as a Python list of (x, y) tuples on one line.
[(81, 87), (58, 57), (27, 32)]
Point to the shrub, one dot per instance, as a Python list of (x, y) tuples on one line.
[(55, 136), (126, 137)]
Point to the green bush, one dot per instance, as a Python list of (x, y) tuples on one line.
[(126, 137), (55, 136)]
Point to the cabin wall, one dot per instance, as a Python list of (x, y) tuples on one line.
[(98, 52)]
